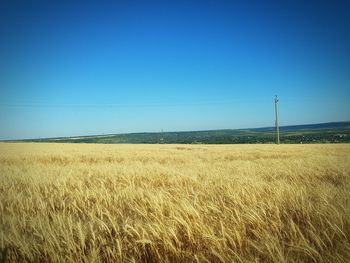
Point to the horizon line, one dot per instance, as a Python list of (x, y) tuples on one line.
[(150, 132)]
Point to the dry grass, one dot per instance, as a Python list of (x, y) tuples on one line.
[(175, 203)]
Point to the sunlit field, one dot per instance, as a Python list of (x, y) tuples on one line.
[(175, 203)]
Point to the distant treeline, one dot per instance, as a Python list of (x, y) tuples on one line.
[(315, 133)]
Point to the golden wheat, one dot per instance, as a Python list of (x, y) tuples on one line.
[(175, 203)]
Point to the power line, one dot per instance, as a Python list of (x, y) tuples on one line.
[(277, 128), (121, 105)]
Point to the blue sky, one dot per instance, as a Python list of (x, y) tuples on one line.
[(77, 68)]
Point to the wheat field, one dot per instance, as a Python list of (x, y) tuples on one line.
[(174, 203)]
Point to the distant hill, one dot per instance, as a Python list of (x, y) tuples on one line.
[(333, 132), (328, 125)]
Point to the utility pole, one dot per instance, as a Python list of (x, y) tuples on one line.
[(277, 128)]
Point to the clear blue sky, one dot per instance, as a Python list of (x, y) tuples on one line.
[(78, 68)]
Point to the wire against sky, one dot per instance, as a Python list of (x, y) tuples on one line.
[(155, 103)]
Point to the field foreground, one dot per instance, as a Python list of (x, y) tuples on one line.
[(175, 203)]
